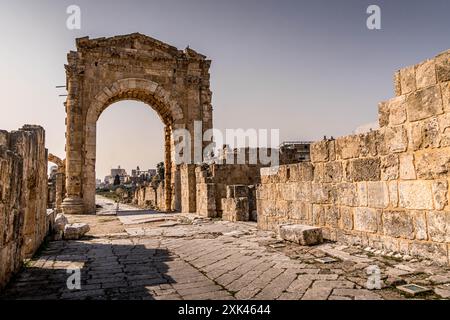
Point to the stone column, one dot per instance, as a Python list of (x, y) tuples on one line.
[(168, 168), (73, 203), (59, 190)]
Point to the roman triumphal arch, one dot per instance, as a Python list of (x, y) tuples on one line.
[(175, 83)]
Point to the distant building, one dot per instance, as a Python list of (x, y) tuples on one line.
[(141, 176), (121, 173), (295, 151)]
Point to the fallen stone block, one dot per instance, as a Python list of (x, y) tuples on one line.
[(301, 234), (75, 231), (59, 225), (60, 222)]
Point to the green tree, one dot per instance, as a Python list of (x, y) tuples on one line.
[(160, 171)]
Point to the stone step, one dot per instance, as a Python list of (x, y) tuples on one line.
[(301, 234)]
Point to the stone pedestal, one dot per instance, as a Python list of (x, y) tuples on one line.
[(73, 205)]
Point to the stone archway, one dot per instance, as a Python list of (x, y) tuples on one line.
[(102, 71)]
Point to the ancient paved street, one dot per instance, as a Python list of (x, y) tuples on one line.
[(146, 255)]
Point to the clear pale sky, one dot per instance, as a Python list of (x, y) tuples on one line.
[(309, 68)]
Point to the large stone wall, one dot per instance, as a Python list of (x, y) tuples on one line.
[(23, 194), (388, 188)]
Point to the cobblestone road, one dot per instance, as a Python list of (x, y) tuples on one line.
[(174, 259)]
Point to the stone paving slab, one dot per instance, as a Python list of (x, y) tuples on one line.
[(214, 260)]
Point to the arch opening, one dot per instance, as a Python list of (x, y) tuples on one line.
[(130, 137)]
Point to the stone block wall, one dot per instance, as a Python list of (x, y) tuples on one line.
[(388, 188), (236, 206), (212, 181), (150, 197), (24, 222)]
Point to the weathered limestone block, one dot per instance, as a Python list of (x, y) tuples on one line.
[(444, 130), (393, 111), (235, 209), (408, 79), (348, 147), (366, 169), (424, 103), (425, 134), (283, 174), (29, 143), (415, 194), (367, 219), (206, 199), (188, 188), (426, 74), (318, 215), (323, 151), (440, 194), (347, 194), (328, 172), (287, 191), (301, 211), (420, 225), (393, 193), (332, 216), (445, 89), (60, 222), (362, 194), (11, 214), (368, 143), (390, 167), (301, 234), (433, 164), (305, 171), (398, 224), (383, 114), (438, 225), (293, 172), (75, 231), (378, 194), (59, 225), (397, 84), (443, 66), (396, 139), (432, 251), (346, 215), (320, 193), (261, 192), (407, 169), (302, 191)]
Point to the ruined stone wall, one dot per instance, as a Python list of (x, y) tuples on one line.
[(212, 181), (23, 195), (149, 197), (389, 188), (188, 188)]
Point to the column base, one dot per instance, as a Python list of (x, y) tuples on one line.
[(73, 205)]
